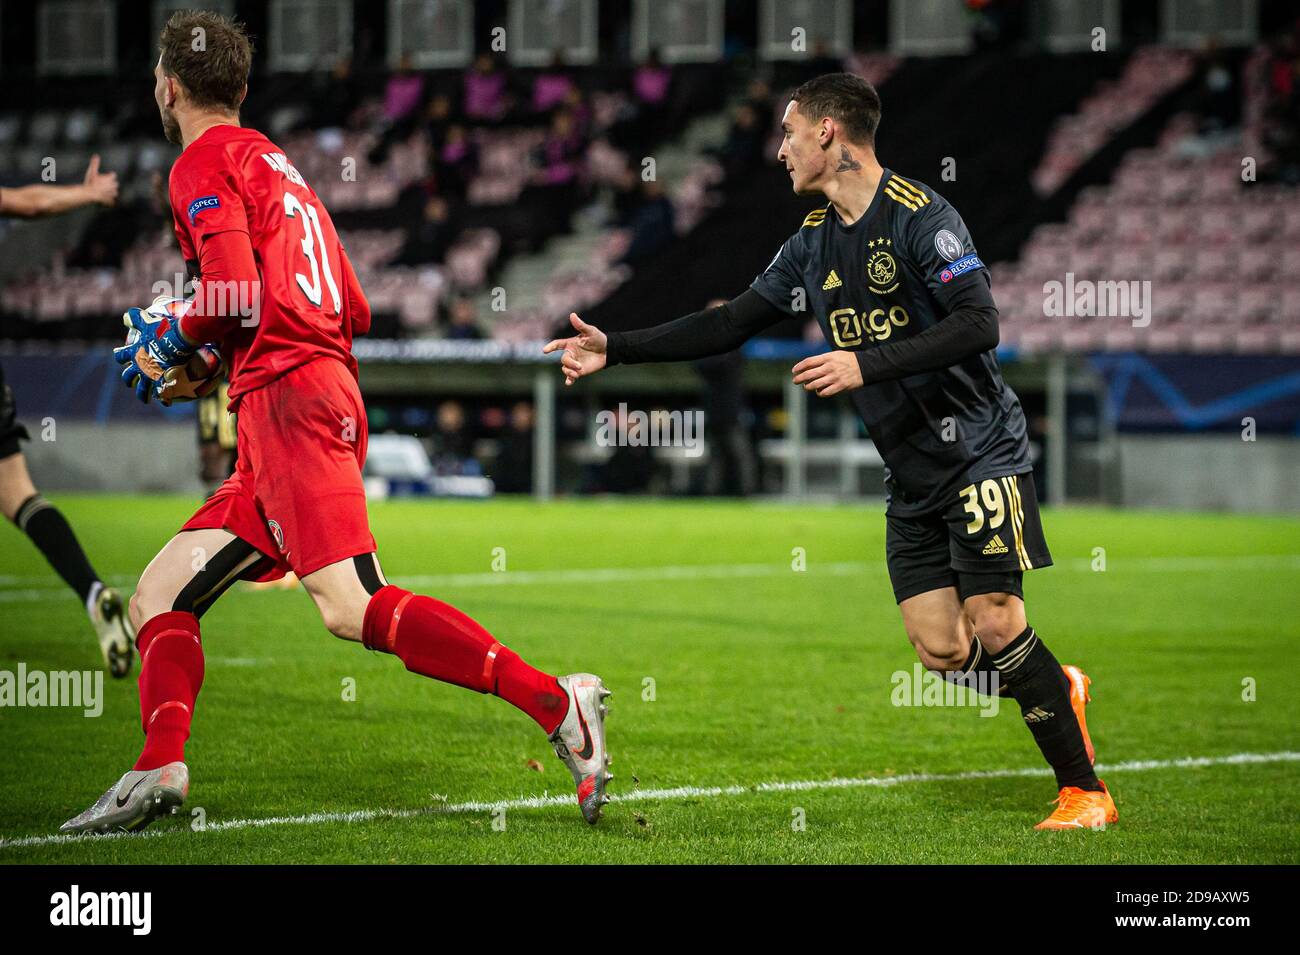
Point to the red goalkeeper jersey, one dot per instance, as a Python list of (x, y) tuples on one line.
[(232, 179)]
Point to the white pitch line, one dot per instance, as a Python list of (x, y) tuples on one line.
[(690, 572), (665, 795)]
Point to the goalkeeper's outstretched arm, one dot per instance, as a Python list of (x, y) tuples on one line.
[(711, 331)]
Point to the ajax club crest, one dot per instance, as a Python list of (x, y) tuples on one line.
[(882, 270)]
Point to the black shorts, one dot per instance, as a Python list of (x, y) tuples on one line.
[(981, 543), (216, 424), (10, 430)]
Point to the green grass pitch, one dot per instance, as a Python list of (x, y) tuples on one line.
[(761, 674)]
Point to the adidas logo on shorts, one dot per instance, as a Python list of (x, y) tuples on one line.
[(995, 546)]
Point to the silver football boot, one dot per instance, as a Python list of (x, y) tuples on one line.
[(135, 800), (579, 741)]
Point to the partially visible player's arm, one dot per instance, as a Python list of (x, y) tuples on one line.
[(228, 288), (37, 201), (969, 329), (711, 331)]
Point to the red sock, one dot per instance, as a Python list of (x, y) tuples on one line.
[(435, 639), (171, 672)]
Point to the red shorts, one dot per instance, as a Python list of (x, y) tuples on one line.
[(296, 494)]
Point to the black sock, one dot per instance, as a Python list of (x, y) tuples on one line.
[(49, 530), (1042, 689), (978, 672)]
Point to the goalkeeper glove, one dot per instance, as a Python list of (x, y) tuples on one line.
[(160, 353)]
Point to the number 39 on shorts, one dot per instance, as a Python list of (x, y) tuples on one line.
[(984, 502)]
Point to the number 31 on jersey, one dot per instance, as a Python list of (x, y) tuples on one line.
[(306, 214)]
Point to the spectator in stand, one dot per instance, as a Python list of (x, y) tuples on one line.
[(627, 197), (575, 104), (629, 469), (651, 86), (651, 224), (759, 97), (651, 82), (403, 92), (429, 240), (552, 86), (1219, 100), (456, 161), (513, 473), (403, 95), (438, 114), (463, 321), (743, 149), (450, 440), (732, 468), (335, 98), (486, 95), (561, 153), (555, 190)]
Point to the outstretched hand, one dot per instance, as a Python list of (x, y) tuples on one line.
[(584, 353), (101, 187)]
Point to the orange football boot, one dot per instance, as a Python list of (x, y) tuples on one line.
[(1080, 698), (1081, 809)]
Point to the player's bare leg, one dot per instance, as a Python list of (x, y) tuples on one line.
[(1043, 690), (41, 521), (436, 640), (943, 636), (180, 583), (938, 629)]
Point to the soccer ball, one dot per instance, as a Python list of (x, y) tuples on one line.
[(196, 378)]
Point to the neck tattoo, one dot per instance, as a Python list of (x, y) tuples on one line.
[(847, 162)]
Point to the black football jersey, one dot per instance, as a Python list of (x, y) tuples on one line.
[(888, 276)]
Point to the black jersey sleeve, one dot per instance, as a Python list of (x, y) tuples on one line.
[(939, 246), (969, 329), (711, 331), (781, 283)]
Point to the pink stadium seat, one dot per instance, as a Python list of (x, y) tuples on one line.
[(1258, 340)]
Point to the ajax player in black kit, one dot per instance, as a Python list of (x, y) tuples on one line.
[(890, 272)]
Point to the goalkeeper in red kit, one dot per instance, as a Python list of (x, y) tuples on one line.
[(276, 292)]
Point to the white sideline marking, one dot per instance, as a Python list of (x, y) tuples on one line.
[(688, 572), (663, 795)]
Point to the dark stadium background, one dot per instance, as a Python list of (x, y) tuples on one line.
[(449, 218)]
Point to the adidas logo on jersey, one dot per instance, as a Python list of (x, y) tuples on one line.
[(995, 546), (832, 281)]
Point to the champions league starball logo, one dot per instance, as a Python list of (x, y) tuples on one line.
[(947, 245)]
